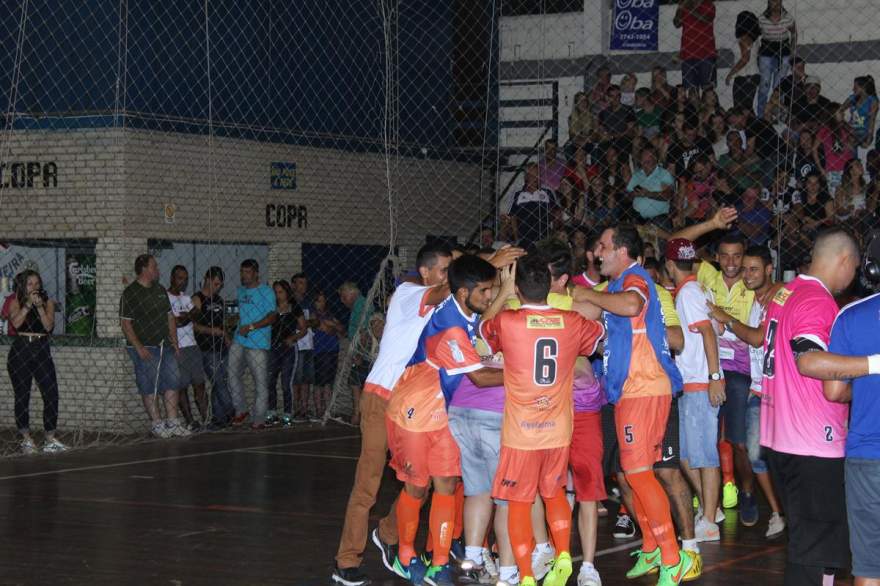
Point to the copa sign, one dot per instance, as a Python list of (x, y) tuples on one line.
[(635, 25)]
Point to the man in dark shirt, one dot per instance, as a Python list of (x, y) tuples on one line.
[(531, 211), (808, 110), (680, 154), (213, 341), (617, 121)]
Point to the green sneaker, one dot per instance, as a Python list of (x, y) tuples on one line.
[(673, 575), (729, 496), (560, 572), (646, 563), (439, 576), (696, 503)]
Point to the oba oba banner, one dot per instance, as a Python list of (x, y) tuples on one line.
[(79, 310), (634, 25)]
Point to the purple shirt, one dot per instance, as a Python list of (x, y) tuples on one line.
[(588, 395), (470, 396), (551, 174)]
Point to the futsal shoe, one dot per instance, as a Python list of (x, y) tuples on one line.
[(472, 573), (528, 581), (775, 527), (560, 572), (588, 576), (439, 576), (672, 575), (542, 561), (414, 572), (729, 495), (456, 550), (349, 577), (388, 552), (748, 509), (624, 528), (647, 562), (696, 569)]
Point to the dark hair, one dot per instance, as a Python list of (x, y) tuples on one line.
[(252, 264), (141, 262), (467, 271), (761, 252), (643, 92), (732, 238), (867, 83), (179, 268), (299, 275), (19, 284), (684, 265), (215, 272), (558, 258), (651, 263), (702, 159), (533, 277), (429, 253), (627, 236), (613, 88), (286, 286)]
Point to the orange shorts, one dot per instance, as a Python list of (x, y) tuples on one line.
[(419, 455), (522, 474), (641, 425), (586, 457)]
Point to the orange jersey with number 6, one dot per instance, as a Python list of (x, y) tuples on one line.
[(540, 347)]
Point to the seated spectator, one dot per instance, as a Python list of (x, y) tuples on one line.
[(601, 203), (628, 90), (581, 121), (326, 341), (571, 205), (754, 217), (771, 148), (803, 162), (550, 166), (780, 196), (662, 93), (724, 195), (615, 168), (578, 170), (862, 110), (850, 199), (709, 107), (810, 109), (692, 145), (684, 103), (816, 210), (835, 141), (648, 115), (789, 91), (651, 187), (737, 164), (738, 121), (695, 190), (599, 93), (617, 122), (531, 209), (717, 135)]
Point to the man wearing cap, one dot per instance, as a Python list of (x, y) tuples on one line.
[(703, 378), (808, 109)]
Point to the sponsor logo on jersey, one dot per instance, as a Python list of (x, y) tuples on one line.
[(545, 322), (782, 296), (457, 354)]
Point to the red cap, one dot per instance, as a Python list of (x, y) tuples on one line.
[(680, 249)]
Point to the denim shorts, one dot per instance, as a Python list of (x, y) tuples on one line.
[(753, 436), (158, 374), (478, 434), (698, 430), (862, 496), (737, 387)]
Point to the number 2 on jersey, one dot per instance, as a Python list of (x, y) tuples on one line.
[(546, 351)]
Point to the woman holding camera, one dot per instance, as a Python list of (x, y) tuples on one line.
[(32, 314)]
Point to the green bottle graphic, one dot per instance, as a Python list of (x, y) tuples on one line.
[(80, 299)]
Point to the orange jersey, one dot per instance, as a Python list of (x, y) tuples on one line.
[(646, 375), (540, 348)]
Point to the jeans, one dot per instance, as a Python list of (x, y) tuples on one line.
[(772, 69), (215, 370), (282, 361), (258, 363), (753, 435), (28, 361)]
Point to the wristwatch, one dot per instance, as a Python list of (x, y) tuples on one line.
[(713, 376)]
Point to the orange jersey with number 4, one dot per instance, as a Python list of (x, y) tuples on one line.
[(540, 347)]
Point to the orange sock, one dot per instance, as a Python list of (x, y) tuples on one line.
[(441, 521), (654, 505), (623, 510), (725, 452), (649, 544), (559, 521), (522, 541), (408, 509), (459, 511)]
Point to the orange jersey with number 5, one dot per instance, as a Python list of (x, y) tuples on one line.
[(540, 347)]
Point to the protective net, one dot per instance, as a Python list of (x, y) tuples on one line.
[(284, 161)]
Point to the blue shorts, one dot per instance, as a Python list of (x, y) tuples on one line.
[(698, 430), (158, 374), (737, 387), (698, 73), (478, 434), (863, 514), (753, 436)]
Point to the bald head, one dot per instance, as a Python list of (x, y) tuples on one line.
[(835, 258), (835, 243)]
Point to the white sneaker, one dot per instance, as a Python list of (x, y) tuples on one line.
[(706, 531), (542, 562), (53, 446), (29, 448), (720, 516), (178, 428), (588, 576), (775, 526), (160, 430), (489, 563)]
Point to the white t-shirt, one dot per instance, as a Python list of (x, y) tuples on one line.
[(407, 317), (307, 342), (756, 355), (690, 303), (181, 305)]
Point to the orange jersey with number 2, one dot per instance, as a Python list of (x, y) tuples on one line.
[(540, 347)]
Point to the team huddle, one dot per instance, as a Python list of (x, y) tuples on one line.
[(496, 371)]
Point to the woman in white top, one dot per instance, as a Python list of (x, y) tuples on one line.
[(778, 39), (744, 74)]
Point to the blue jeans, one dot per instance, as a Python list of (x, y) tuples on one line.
[(772, 69), (215, 370), (282, 361), (257, 361), (753, 435)]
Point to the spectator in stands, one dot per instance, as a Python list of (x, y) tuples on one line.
[(737, 163), (287, 330), (617, 122), (251, 344), (649, 117), (615, 168), (365, 352), (580, 121), (744, 74), (151, 332), (579, 170), (351, 297), (793, 86), (724, 195), (550, 166), (833, 147), (717, 135), (571, 205), (771, 149), (709, 107), (682, 152), (662, 93), (599, 93), (808, 111), (651, 187), (696, 19), (601, 202), (850, 199), (531, 210), (32, 314), (778, 38), (754, 217), (628, 89), (862, 107), (803, 163), (304, 375), (817, 208), (695, 190), (327, 334), (190, 370), (213, 340)]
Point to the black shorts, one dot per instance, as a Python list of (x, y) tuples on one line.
[(699, 73), (669, 457), (611, 459), (325, 368), (814, 500)]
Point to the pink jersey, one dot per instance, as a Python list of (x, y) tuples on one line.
[(795, 416)]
